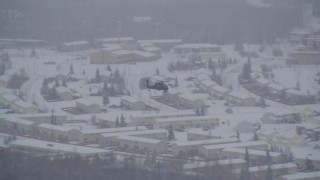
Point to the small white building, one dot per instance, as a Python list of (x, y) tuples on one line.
[(132, 103), (245, 127), (144, 56), (153, 50), (299, 96), (218, 91), (281, 117), (87, 106), (186, 122), (64, 93), (23, 107)]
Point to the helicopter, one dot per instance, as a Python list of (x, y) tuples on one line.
[(159, 85)]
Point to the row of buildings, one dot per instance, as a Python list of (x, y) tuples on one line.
[(279, 90), (215, 90)]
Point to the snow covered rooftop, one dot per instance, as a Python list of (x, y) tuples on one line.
[(161, 41), (263, 81), (241, 144), (132, 133), (55, 127), (204, 45), (23, 104), (302, 176), (112, 130), (295, 92), (211, 163), (130, 99), (19, 121), (205, 142), (62, 89), (275, 86), (144, 53), (39, 144), (5, 78), (220, 89), (251, 151), (193, 118), (76, 43), (121, 52), (238, 95), (139, 139), (163, 114), (9, 97), (151, 48)]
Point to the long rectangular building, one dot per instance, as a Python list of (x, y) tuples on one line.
[(186, 122)]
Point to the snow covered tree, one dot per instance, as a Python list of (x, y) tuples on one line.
[(56, 83), (210, 64), (249, 65), (170, 134), (98, 78), (157, 71), (45, 83), (202, 111), (117, 76), (245, 74)]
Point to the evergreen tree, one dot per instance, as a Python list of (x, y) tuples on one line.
[(64, 83), (56, 83), (117, 76), (176, 83), (170, 134), (105, 88), (33, 52), (238, 135), (262, 102), (45, 83), (269, 175), (109, 67), (2, 69), (249, 65), (202, 111), (210, 64), (98, 79), (268, 157), (255, 136), (157, 71), (105, 99), (198, 112), (84, 72), (71, 69), (122, 121), (117, 122), (309, 164), (247, 157)]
